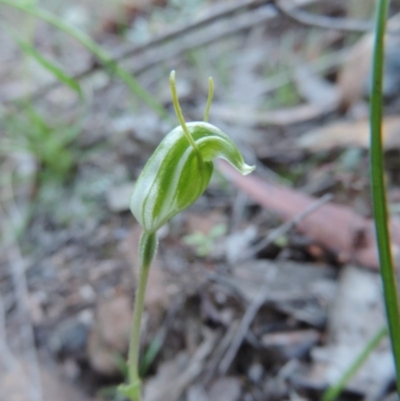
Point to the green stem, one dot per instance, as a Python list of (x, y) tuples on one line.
[(379, 189), (147, 251)]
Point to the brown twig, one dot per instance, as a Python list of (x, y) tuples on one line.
[(321, 21), (21, 290), (254, 12), (285, 228), (217, 12), (6, 356), (219, 352), (261, 297), (17, 268), (244, 326)]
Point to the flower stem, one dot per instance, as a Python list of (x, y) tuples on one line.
[(147, 251)]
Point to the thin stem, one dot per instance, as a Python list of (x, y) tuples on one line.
[(147, 250), (379, 189), (209, 99), (333, 392)]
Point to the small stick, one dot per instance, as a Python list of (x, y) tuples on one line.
[(244, 326), (259, 300), (7, 356), (286, 227), (321, 21)]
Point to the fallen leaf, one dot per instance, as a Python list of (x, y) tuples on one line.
[(354, 75), (349, 133), (336, 227), (280, 117)]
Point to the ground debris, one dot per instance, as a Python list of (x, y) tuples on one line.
[(118, 197), (176, 375), (350, 236), (284, 281), (110, 334), (226, 317), (356, 315), (15, 385), (342, 134)]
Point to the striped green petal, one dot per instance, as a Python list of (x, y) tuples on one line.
[(174, 176)]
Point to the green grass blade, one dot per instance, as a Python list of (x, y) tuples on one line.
[(334, 391), (95, 49), (59, 74), (387, 268), (151, 353)]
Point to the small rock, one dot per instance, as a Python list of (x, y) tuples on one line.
[(118, 197), (197, 393), (69, 339), (238, 243), (71, 369), (256, 372), (292, 344), (87, 293), (225, 388)]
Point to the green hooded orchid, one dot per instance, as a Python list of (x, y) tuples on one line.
[(180, 168), (176, 174)]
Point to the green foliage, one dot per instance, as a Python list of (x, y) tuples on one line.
[(204, 243), (284, 96), (94, 48), (152, 352), (47, 64), (50, 145)]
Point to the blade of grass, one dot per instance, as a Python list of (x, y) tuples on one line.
[(151, 353), (95, 49), (387, 268), (59, 74), (334, 391)]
